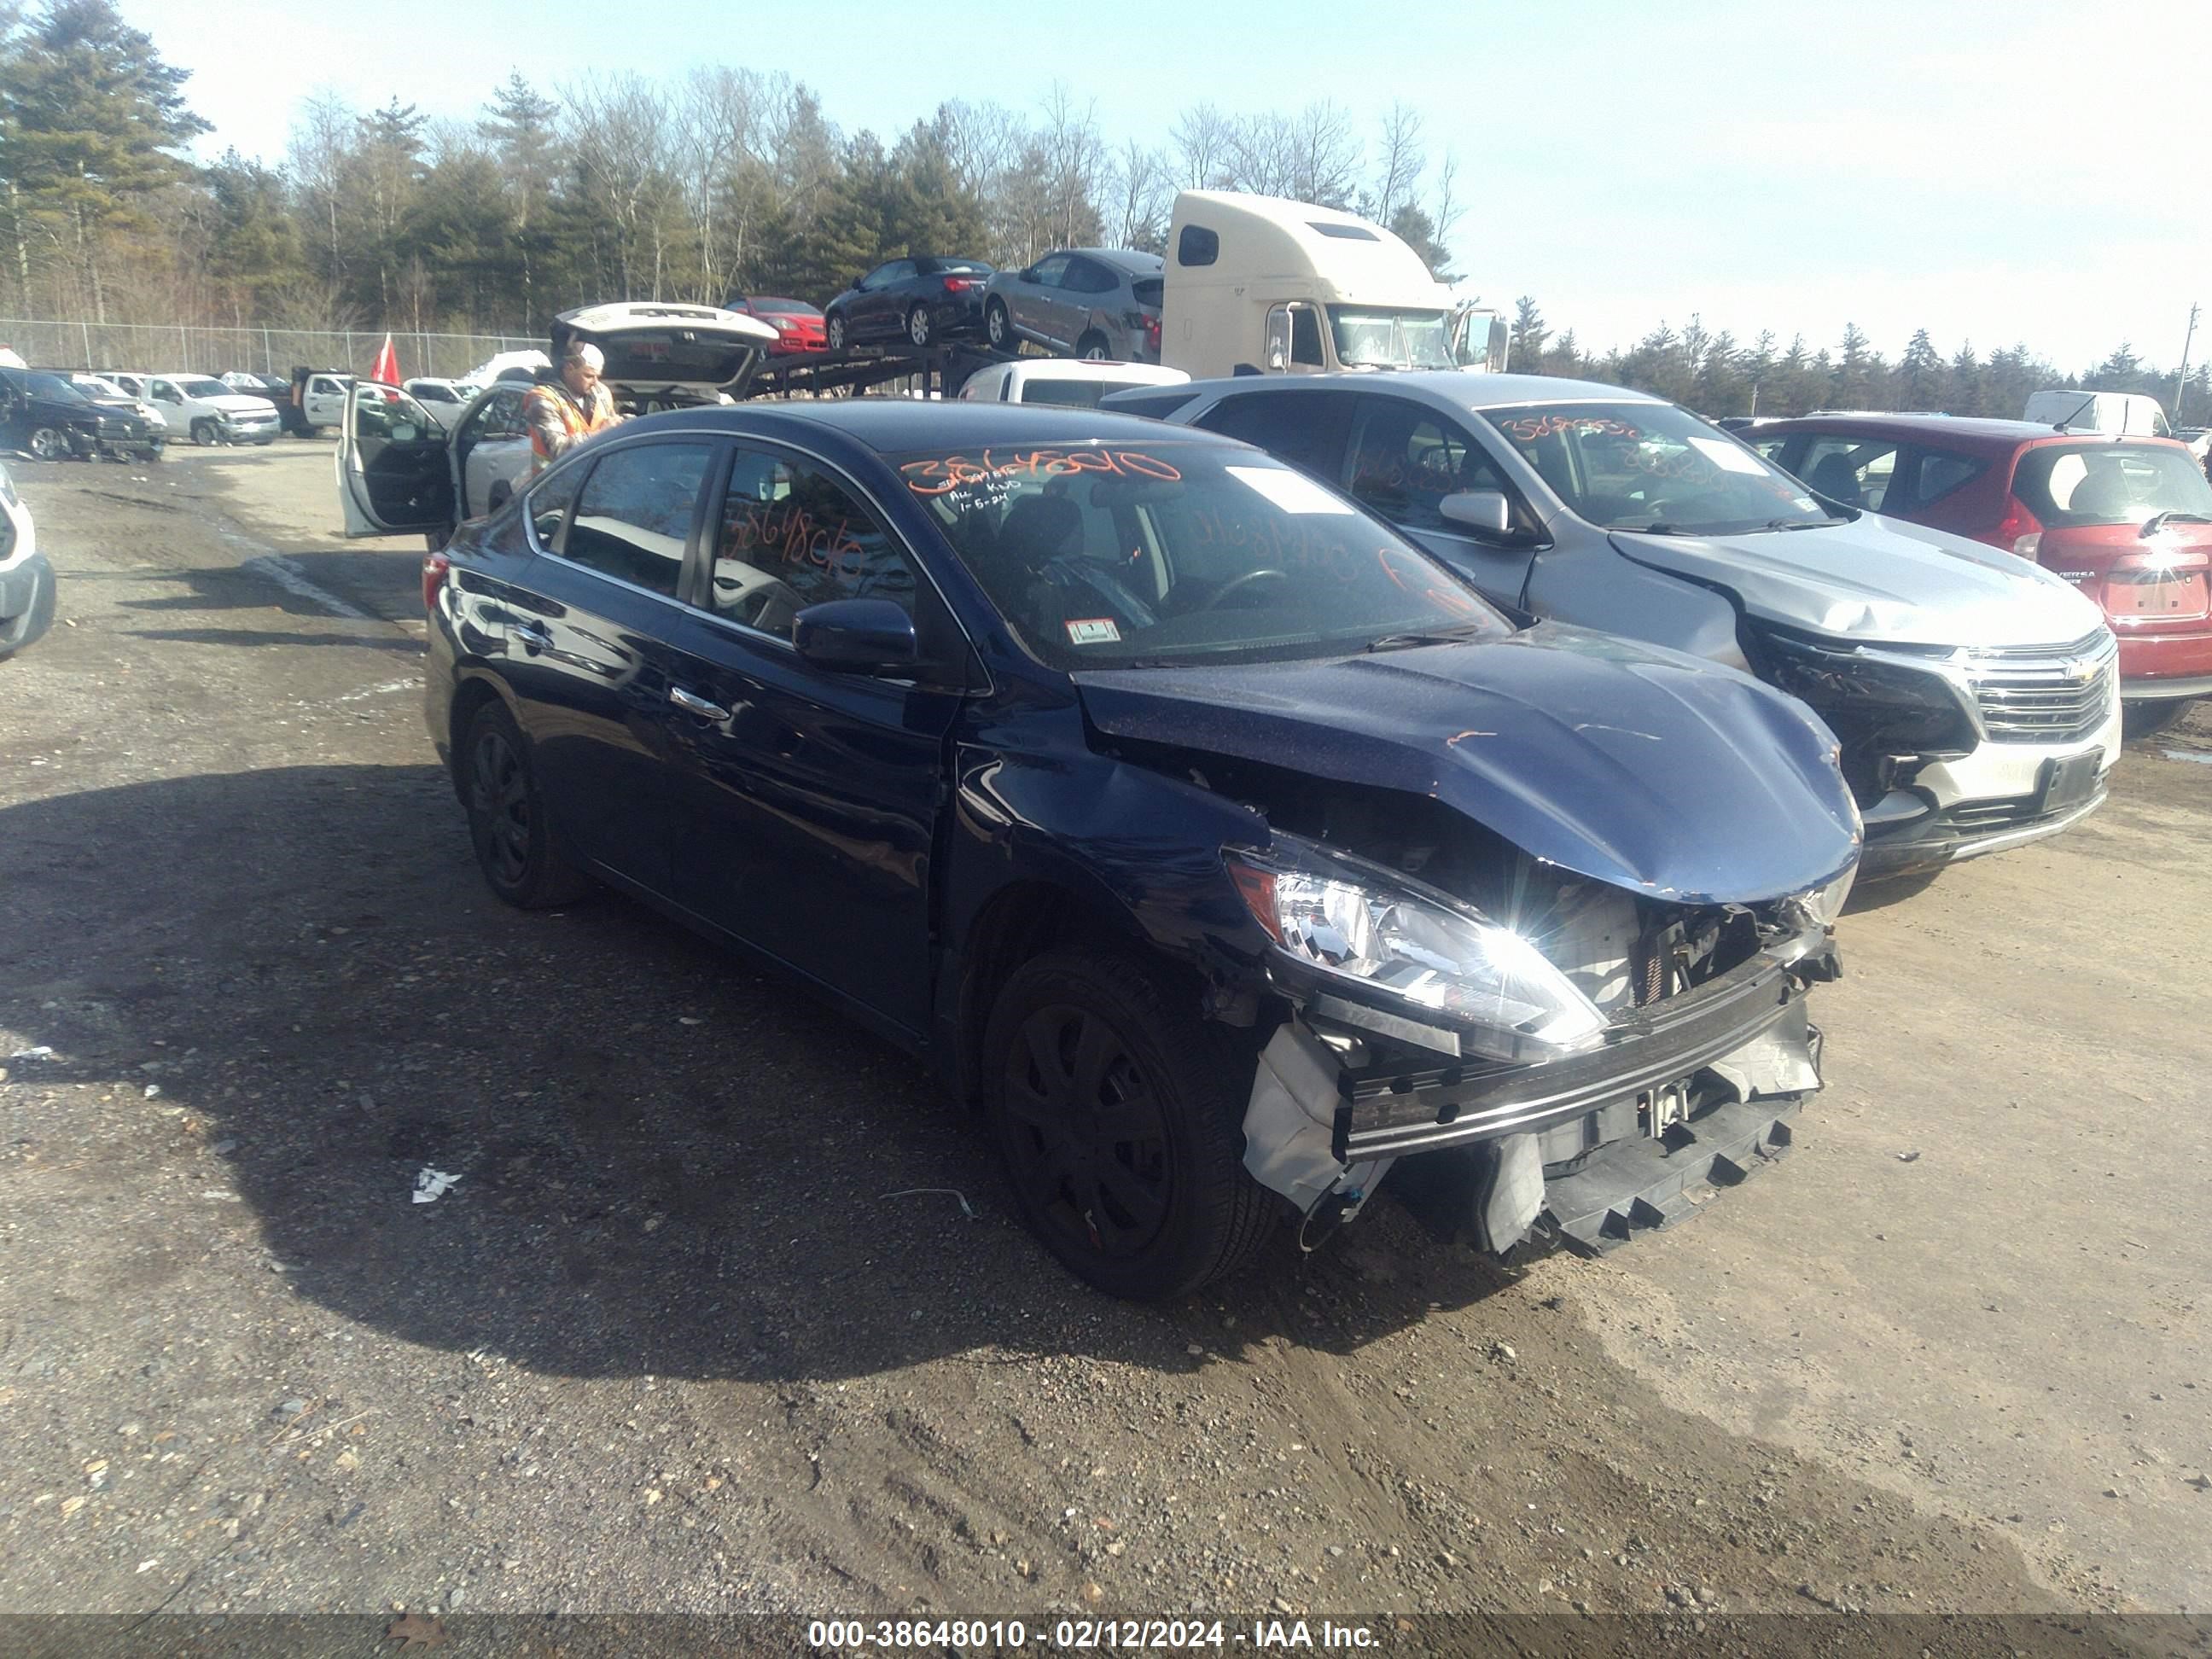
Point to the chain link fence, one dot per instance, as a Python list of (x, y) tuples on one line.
[(153, 348)]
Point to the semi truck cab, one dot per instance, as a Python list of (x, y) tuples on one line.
[(1258, 284)]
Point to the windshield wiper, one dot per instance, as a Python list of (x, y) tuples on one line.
[(2158, 521), (1419, 636), (1662, 528), (1801, 524)]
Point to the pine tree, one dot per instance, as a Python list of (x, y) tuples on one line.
[(92, 115), (518, 124), (1919, 372), (1525, 349)]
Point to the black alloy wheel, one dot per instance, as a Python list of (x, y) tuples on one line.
[(515, 845), (1118, 1126)]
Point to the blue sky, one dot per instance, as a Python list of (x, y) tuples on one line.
[(1992, 173)]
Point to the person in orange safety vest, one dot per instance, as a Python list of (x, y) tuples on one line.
[(562, 414)]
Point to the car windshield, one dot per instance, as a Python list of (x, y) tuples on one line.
[(1368, 338), (2071, 486), (1157, 554), (52, 385), (204, 388), (784, 308), (1656, 467)]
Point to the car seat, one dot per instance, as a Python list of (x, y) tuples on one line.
[(2103, 494), (1838, 479)]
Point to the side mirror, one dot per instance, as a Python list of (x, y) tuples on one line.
[(1278, 339), (1485, 511), (857, 636), (857, 280)]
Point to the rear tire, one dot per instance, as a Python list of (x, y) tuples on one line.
[(2147, 719), (1092, 348), (516, 846), (999, 327), (836, 334), (1117, 1113), (919, 331)]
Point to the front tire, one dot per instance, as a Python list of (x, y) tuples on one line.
[(516, 847), (919, 329), (203, 432), (1116, 1117), (48, 443)]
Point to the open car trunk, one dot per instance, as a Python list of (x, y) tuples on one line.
[(660, 352)]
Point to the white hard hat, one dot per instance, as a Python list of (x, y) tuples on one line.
[(582, 351)]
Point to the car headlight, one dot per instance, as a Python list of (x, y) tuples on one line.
[(1361, 923), (1825, 904)]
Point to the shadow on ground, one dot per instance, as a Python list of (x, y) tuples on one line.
[(670, 1164)]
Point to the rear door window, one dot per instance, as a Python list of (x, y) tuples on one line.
[(1306, 429), (1941, 472), (1088, 277), (792, 535), (550, 503), (1856, 471), (632, 519)]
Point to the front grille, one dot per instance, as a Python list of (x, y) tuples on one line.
[(2045, 694)]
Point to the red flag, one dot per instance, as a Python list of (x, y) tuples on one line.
[(386, 372)]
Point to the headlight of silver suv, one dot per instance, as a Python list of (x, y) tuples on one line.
[(1359, 922)]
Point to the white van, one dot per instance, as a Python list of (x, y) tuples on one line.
[(2122, 414), (1077, 382), (1258, 284)]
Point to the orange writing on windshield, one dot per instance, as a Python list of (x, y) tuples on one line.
[(939, 474)]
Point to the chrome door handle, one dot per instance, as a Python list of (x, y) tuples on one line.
[(534, 635), (691, 704)]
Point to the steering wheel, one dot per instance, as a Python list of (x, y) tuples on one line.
[(1244, 580)]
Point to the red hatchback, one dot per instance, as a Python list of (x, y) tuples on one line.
[(2127, 520), (798, 326)]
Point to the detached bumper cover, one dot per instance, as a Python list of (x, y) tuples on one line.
[(1388, 1111)]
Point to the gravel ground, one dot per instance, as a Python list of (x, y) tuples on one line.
[(682, 1337)]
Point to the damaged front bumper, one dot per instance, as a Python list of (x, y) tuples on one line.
[(1572, 1137)]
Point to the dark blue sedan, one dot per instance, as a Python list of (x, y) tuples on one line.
[(1216, 843)]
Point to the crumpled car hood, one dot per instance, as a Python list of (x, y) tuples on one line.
[(1877, 580), (1624, 762)]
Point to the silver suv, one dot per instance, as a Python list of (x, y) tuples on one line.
[(1974, 693), (1086, 301)]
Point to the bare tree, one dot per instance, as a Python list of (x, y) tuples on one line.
[(619, 130), (1075, 160), (1398, 169), (1201, 139), (716, 126), (1324, 156), (1141, 175), (322, 140)]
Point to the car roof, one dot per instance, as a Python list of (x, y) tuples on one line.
[(1122, 259), (891, 425), (1450, 388), (1974, 432)]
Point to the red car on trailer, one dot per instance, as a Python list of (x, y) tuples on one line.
[(2127, 519)]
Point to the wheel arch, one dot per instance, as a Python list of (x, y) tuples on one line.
[(1020, 923)]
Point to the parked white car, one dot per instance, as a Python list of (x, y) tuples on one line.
[(444, 399), (1077, 382), (98, 385), (211, 411)]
